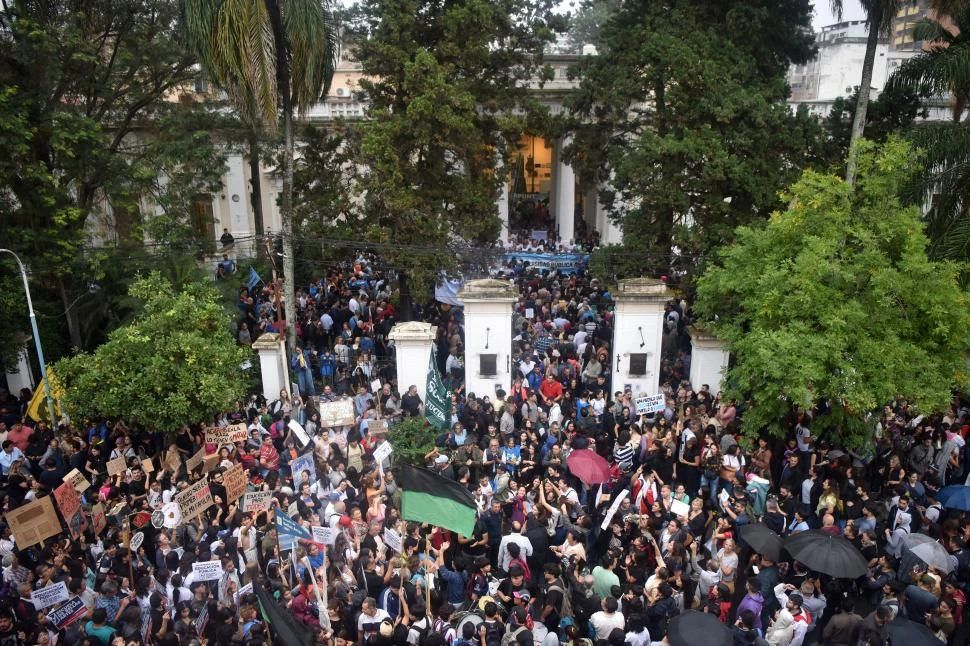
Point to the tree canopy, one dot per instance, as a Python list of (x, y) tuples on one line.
[(176, 363), (834, 303)]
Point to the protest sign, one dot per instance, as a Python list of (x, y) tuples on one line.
[(209, 463), (257, 501), (382, 452), (147, 465), (118, 465), (48, 596), (136, 540), (299, 468), (98, 519), (375, 385), (158, 519), (613, 508), (650, 404), (377, 427), (207, 570), (338, 413), (238, 433), (70, 506), (288, 531), (299, 432), (530, 313), (292, 509), (33, 522), (65, 615), (246, 589), (392, 539), (679, 508), (77, 480), (195, 460), (324, 535), (194, 500), (172, 459), (235, 480), (217, 435)]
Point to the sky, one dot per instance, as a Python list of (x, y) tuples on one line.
[(851, 10)]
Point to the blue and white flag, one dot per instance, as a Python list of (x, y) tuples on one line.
[(253, 279)]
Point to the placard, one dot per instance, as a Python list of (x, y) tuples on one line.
[(257, 501), (377, 427), (136, 540), (246, 589), (288, 531), (299, 467), (147, 465), (383, 452), (118, 465), (207, 570), (293, 509), (297, 429), (195, 460), (530, 313), (34, 522), (98, 519), (650, 404), (324, 535), (613, 508), (375, 385), (210, 462), (226, 434), (679, 508), (194, 500), (77, 480), (338, 413), (235, 480), (70, 506), (173, 459), (65, 615), (49, 595), (392, 539)]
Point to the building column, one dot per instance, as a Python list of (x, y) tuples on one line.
[(610, 233), (708, 360), (21, 376), (565, 188), (488, 335), (502, 203), (273, 365), (638, 335), (237, 195), (412, 350)]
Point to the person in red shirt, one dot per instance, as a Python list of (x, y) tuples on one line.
[(269, 459), (550, 390), (20, 434)]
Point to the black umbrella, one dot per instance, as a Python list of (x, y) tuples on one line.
[(762, 540), (692, 628), (904, 631), (827, 553)]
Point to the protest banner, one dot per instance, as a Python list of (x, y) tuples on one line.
[(33, 522), (299, 467), (392, 539), (77, 480), (65, 615), (383, 452), (50, 595), (194, 500), (118, 465), (650, 404), (288, 531), (207, 570), (613, 508), (235, 480), (338, 413), (257, 501), (324, 535), (297, 429), (98, 519), (195, 460), (70, 505)]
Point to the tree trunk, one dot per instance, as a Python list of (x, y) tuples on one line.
[(73, 325), (256, 191), (862, 100), (286, 214)]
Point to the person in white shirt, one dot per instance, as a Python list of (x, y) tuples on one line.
[(525, 546), (793, 603), (607, 619)]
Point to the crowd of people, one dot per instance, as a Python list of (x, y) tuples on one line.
[(552, 559)]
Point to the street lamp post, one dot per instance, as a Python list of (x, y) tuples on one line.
[(33, 326)]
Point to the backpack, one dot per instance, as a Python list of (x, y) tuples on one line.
[(567, 603), (494, 633), (510, 637)]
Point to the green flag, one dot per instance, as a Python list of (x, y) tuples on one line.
[(437, 405)]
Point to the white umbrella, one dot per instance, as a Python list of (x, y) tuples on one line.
[(916, 538), (933, 555)]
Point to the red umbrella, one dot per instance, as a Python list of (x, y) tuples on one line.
[(588, 466)]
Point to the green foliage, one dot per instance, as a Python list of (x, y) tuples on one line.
[(176, 363), (683, 114), (834, 303), (413, 438), (586, 23)]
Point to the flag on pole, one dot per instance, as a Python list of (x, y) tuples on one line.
[(37, 409), (253, 279), (427, 497), (437, 405)]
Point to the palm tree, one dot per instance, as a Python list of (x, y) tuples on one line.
[(880, 16), (268, 56), (943, 70)]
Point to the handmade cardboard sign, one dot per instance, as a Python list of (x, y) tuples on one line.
[(34, 522), (338, 413), (77, 480), (194, 500)]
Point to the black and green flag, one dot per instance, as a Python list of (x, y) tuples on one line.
[(427, 497), (437, 405)]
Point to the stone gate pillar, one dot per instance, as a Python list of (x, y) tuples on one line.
[(637, 334), (708, 360), (412, 348), (273, 364), (488, 335)]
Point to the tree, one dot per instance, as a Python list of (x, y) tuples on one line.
[(682, 113), (176, 363), (448, 91), (942, 70), (414, 438), (587, 21), (834, 304), (880, 17), (269, 56)]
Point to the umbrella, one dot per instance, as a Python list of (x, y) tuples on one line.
[(762, 540), (826, 553), (834, 454), (692, 628), (955, 497), (929, 551), (588, 466), (904, 631)]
